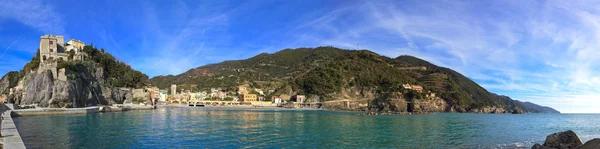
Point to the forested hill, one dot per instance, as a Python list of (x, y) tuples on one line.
[(331, 73)]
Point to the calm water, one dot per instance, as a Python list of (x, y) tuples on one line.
[(206, 128)]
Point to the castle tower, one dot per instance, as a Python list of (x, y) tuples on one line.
[(50, 46)]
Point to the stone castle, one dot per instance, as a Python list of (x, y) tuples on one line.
[(54, 48)]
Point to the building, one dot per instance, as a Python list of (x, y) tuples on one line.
[(417, 88), (285, 97), (163, 95), (260, 91), (54, 48), (173, 89), (221, 95), (300, 98), (248, 97), (413, 87), (76, 44), (242, 89), (277, 100)]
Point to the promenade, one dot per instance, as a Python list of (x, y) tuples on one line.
[(10, 135)]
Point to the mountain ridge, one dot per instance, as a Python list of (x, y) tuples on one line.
[(329, 73)]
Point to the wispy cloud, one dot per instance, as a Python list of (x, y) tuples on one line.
[(7, 48), (539, 51), (35, 13), (545, 52)]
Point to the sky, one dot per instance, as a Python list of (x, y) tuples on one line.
[(546, 52)]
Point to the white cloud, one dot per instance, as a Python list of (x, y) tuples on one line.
[(34, 13)]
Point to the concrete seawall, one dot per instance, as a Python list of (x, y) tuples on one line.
[(53, 111), (98, 109), (10, 135)]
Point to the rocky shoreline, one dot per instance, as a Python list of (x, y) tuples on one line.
[(567, 140)]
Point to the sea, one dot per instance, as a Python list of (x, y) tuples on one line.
[(197, 127)]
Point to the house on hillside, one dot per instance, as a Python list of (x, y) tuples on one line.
[(417, 88), (243, 89), (413, 87)]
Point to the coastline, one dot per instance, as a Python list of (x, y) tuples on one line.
[(238, 107)]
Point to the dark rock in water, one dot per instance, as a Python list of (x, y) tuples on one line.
[(538, 146), (592, 144), (517, 111), (566, 140), (563, 140)]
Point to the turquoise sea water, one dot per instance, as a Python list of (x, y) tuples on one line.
[(210, 128)]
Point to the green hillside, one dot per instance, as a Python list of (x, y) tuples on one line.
[(330, 73)]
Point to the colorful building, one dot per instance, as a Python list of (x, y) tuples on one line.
[(248, 97)]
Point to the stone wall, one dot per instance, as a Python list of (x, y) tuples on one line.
[(61, 75)]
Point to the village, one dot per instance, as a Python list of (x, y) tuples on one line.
[(53, 49), (243, 95)]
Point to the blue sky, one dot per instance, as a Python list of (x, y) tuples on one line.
[(545, 52)]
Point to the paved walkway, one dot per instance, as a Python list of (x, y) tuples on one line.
[(10, 135)]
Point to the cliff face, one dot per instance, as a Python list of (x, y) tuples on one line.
[(74, 89)]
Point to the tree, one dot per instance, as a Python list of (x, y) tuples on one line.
[(71, 54)]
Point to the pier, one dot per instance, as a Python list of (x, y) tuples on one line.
[(10, 134)]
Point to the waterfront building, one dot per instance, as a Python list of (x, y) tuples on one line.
[(173, 89), (248, 97), (277, 100), (300, 98), (163, 96)]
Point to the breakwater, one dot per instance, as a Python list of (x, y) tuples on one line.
[(10, 135)]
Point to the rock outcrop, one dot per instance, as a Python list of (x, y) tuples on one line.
[(517, 111), (488, 109), (39, 89), (4, 84), (567, 140), (76, 89), (592, 144)]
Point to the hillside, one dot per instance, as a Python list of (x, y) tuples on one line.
[(534, 108), (98, 79), (329, 74)]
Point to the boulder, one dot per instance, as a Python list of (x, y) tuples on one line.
[(563, 140), (592, 144), (539, 146)]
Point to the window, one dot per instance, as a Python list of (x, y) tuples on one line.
[(44, 58), (51, 42), (51, 50)]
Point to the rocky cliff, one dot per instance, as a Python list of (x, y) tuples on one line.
[(76, 89), (97, 79)]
